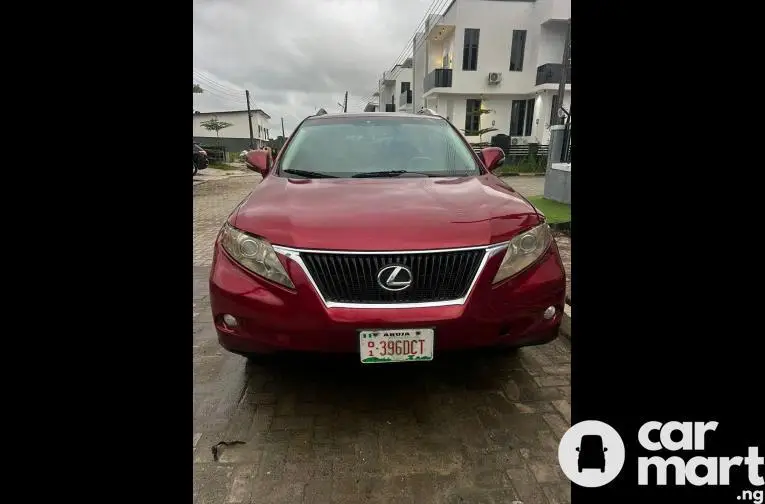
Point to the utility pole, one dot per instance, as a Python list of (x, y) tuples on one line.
[(283, 135), (249, 118), (414, 69), (564, 70), (345, 103)]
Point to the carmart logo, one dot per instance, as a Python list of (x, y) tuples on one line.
[(716, 470), (591, 454)]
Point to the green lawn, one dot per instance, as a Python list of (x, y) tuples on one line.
[(554, 211)]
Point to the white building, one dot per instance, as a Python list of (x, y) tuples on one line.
[(395, 89), (503, 57), (374, 103), (236, 137)]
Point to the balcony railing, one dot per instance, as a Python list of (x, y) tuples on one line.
[(390, 107), (404, 98), (440, 77), (549, 73)]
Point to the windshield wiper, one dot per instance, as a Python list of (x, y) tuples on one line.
[(306, 173), (389, 173)]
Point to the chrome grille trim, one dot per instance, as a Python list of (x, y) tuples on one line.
[(294, 255)]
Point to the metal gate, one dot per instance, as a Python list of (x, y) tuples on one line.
[(566, 149)]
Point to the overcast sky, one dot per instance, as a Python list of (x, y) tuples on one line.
[(296, 55)]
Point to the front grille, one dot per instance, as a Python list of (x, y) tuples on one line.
[(352, 278)]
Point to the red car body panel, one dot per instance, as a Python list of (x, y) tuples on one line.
[(383, 214)]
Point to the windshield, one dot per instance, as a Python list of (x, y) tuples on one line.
[(348, 147)]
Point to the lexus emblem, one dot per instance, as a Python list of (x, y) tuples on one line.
[(394, 278)]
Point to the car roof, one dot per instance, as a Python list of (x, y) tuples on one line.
[(371, 115)]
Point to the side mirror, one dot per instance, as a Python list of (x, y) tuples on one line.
[(493, 157), (258, 161), (577, 448), (605, 449)]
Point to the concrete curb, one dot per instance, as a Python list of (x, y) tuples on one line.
[(563, 227), (565, 324), (516, 174)]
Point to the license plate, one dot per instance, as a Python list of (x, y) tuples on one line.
[(396, 345)]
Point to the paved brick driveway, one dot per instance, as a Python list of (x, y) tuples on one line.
[(473, 428)]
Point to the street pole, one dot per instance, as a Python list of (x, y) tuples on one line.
[(249, 118), (414, 68), (564, 71), (283, 135), (345, 103)]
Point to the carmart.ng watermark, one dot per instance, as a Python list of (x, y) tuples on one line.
[(585, 458)]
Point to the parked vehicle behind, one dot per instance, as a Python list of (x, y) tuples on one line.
[(201, 160), (386, 236)]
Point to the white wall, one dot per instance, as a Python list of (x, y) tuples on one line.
[(402, 75), (419, 71), (496, 20), (394, 90), (386, 92), (552, 39), (453, 107), (240, 127), (547, 10)]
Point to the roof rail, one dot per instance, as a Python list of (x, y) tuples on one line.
[(427, 111)]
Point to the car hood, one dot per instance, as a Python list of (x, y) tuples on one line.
[(384, 213)]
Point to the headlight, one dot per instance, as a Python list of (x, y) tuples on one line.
[(523, 250), (255, 254)]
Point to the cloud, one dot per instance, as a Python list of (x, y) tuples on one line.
[(295, 56)]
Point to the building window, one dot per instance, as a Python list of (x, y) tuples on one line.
[(521, 117), (529, 116), (405, 86), (472, 116), (517, 49), (554, 110), (470, 49), (259, 130)]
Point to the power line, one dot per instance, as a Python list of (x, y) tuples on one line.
[(206, 76), (414, 48), (432, 9), (228, 100)]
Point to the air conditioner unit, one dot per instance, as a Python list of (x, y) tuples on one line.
[(495, 77)]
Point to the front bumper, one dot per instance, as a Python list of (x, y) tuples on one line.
[(273, 318)]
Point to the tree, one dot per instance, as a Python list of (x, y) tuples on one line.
[(198, 89), (215, 125), (276, 144), (481, 132)]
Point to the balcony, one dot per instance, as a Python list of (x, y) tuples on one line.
[(440, 77), (390, 107), (549, 73), (405, 98)]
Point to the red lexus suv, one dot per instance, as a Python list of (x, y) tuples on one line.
[(385, 235)]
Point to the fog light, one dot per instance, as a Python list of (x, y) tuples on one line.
[(230, 320), (549, 313)]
